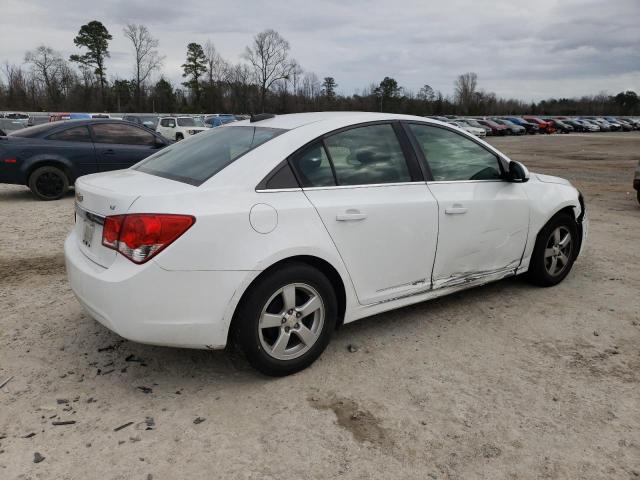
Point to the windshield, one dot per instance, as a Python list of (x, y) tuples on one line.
[(189, 122), (201, 157)]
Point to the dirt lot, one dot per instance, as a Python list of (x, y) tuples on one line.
[(504, 381)]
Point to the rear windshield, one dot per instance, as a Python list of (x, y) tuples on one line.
[(196, 160), (35, 131)]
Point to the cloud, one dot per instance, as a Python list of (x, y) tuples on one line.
[(531, 51)]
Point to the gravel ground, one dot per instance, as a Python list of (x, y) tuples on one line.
[(504, 381)]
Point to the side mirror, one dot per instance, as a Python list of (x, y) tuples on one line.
[(518, 172), (159, 143)]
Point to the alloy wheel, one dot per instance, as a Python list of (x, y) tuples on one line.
[(291, 321), (558, 251)]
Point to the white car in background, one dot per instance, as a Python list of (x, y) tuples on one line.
[(179, 128), (272, 232), (478, 132)]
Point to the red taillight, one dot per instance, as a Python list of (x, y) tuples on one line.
[(140, 236), (10, 160)]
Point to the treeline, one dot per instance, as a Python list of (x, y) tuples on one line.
[(266, 79)]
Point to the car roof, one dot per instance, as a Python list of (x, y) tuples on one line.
[(295, 120)]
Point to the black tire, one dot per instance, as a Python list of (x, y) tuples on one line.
[(540, 267), (638, 195), (49, 183), (252, 339), (179, 137)]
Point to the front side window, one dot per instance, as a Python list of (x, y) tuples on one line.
[(75, 134), (118, 133), (204, 155), (367, 155), (313, 167), (452, 156)]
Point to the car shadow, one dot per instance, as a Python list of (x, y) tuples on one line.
[(18, 193), (170, 370)]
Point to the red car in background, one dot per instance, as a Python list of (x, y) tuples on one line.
[(496, 128), (546, 127)]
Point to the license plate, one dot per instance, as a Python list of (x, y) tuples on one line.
[(87, 235)]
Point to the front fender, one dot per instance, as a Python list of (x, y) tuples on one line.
[(546, 200)]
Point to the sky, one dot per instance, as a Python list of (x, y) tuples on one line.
[(528, 50)]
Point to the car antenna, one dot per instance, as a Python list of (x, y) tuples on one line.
[(261, 116)]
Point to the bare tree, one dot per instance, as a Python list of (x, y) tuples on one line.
[(269, 58), (216, 65), (16, 85), (147, 59), (465, 88), (49, 68)]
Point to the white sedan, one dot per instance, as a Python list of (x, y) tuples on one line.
[(477, 131), (272, 232)]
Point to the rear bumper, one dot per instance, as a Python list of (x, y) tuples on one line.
[(148, 304)]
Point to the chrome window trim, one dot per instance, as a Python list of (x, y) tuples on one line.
[(368, 185), (278, 190), (466, 181)]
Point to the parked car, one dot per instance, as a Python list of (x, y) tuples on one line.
[(260, 232), (560, 126), (474, 123), (219, 120), (530, 127), (602, 123), (589, 124), (617, 121), (18, 116), (50, 157), (58, 117), (149, 121), (478, 132), (8, 125), (543, 125), (496, 128), (179, 128), (576, 124), (512, 127)]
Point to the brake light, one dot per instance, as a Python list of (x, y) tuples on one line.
[(141, 236), (10, 160)]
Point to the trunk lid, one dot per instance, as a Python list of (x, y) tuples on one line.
[(112, 193)]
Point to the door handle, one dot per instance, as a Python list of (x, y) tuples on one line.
[(109, 152), (350, 216), (456, 210)]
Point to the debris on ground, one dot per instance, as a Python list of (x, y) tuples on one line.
[(63, 422), (128, 424), (5, 382)]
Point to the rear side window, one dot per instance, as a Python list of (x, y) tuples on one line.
[(313, 167), (119, 133), (76, 134), (168, 122), (201, 157), (368, 155), (452, 156)]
